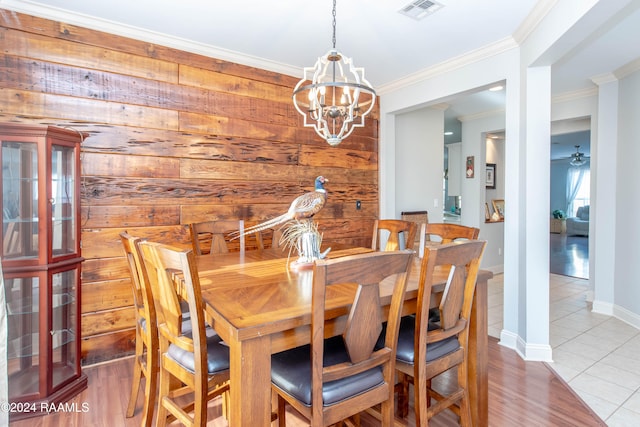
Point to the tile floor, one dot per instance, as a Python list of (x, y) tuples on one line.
[(597, 355)]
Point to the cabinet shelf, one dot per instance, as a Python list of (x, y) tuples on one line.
[(63, 299), (20, 221), (62, 337), (20, 308), (19, 348)]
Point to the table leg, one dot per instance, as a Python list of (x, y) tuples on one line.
[(250, 382), (478, 378)]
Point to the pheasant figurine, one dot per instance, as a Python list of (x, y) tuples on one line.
[(302, 207)]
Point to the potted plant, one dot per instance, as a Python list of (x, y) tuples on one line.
[(559, 214)]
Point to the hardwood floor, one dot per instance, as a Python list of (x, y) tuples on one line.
[(520, 394)]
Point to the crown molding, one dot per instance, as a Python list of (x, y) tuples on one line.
[(627, 69), (604, 78), (128, 31), (574, 95), (617, 74), (481, 115), (460, 61), (535, 17), (440, 107)]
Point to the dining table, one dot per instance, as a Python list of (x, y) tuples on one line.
[(260, 304)]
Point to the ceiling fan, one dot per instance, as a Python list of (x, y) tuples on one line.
[(578, 158)]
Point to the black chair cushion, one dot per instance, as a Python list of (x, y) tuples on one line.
[(217, 354), (291, 372), (405, 353)]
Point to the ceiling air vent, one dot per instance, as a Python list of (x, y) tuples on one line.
[(420, 9)]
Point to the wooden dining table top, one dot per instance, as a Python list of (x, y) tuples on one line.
[(260, 292), (258, 299)]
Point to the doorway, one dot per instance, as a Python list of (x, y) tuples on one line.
[(570, 198)]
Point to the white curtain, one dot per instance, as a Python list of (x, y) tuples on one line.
[(574, 180), (4, 380)]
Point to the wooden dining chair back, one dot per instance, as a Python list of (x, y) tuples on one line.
[(399, 233), (195, 361), (264, 239), (427, 349), (215, 237), (274, 235), (447, 233), (440, 233), (420, 218), (145, 362), (332, 379)]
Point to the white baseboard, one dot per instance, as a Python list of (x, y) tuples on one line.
[(530, 352), (508, 339), (618, 312), (602, 308)]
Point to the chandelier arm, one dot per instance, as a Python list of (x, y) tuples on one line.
[(335, 84)]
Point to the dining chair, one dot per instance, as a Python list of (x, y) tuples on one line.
[(441, 232), (427, 349), (145, 362), (420, 218), (447, 232), (212, 237), (267, 238), (400, 234), (193, 362), (332, 379)]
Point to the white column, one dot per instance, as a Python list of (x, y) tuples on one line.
[(527, 168), (602, 213), (537, 182)]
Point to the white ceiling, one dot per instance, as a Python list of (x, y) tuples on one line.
[(287, 35)]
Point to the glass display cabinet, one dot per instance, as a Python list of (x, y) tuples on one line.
[(41, 263)]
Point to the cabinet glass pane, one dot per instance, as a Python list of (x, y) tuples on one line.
[(22, 296), (19, 200), (63, 200), (64, 328)]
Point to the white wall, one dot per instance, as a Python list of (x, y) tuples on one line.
[(419, 162), (558, 188), (627, 291)]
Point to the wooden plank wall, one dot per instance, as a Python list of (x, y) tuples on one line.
[(174, 138)]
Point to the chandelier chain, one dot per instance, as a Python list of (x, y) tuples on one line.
[(334, 24)]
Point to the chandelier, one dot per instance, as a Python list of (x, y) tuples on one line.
[(333, 95)]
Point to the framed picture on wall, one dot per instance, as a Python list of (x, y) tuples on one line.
[(490, 180)]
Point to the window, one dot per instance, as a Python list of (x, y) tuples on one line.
[(578, 189), (582, 198)]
